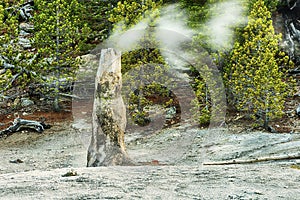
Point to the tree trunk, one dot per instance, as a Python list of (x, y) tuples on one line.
[(109, 114)]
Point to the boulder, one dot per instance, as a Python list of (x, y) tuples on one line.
[(290, 11), (25, 102)]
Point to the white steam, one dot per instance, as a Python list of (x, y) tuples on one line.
[(172, 33), (127, 40), (171, 29), (225, 16)]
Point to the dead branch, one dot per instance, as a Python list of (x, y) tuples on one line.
[(13, 79), (256, 160), (21, 124), (24, 9)]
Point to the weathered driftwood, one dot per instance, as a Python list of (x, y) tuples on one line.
[(6, 66), (107, 145), (21, 124), (232, 162), (24, 10)]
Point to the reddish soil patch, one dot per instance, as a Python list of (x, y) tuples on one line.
[(48, 117), (38, 112), (82, 108)]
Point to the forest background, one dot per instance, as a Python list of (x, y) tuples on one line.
[(42, 41)]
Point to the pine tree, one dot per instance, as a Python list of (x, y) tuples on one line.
[(15, 65), (197, 11), (58, 37), (96, 14), (270, 4), (254, 74), (208, 102), (129, 13), (145, 61), (8, 38)]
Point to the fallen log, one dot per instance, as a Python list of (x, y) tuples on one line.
[(23, 124), (256, 160)]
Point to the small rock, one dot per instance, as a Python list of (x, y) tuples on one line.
[(17, 161), (70, 173), (26, 102), (258, 192), (155, 162), (171, 112), (25, 114)]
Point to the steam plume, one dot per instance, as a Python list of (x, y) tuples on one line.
[(225, 17)]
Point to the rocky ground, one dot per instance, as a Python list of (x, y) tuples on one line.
[(51, 165)]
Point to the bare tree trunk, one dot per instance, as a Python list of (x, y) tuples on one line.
[(109, 114)]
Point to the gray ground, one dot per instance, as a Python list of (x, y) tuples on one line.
[(181, 174)]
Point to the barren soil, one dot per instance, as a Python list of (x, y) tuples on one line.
[(171, 165)]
